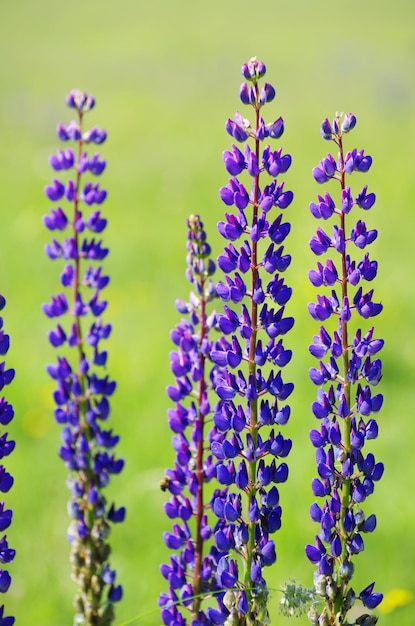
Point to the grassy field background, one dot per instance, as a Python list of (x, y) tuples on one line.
[(166, 76)]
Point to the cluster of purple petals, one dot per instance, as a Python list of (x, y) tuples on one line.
[(83, 388), (246, 441), (348, 370), (6, 480), (192, 571)]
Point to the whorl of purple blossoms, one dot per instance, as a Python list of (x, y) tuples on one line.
[(348, 369), (83, 389), (6, 480), (192, 571), (248, 445)]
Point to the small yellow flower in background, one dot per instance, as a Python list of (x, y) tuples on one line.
[(395, 598)]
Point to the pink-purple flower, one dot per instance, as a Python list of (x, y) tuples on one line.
[(196, 565)]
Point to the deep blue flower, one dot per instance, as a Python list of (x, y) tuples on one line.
[(252, 406), (348, 365), (6, 480), (370, 599), (82, 391)]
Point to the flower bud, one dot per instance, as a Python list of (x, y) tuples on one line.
[(320, 583), (349, 599), (349, 122), (253, 70), (244, 94), (326, 130), (346, 570), (366, 620), (331, 590), (276, 128), (267, 94)]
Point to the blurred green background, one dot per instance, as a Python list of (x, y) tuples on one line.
[(166, 76)]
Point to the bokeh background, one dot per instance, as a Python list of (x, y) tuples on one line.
[(166, 75)]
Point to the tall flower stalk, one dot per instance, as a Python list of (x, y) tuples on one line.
[(348, 370), (83, 387), (191, 572), (6, 480), (252, 395)]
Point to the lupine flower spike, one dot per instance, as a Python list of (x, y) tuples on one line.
[(6, 480), (83, 387), (348, 369), (252, 407), (191, 573)]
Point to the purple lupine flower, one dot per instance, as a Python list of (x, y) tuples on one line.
[(82, 390), (196, 567), (348, 369), (6, 480), (246, 441)]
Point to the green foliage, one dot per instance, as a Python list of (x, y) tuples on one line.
[(296, 599)]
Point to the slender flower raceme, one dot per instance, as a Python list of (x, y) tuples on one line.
[(191, 573), (83, 387), (6, 480), (252, 407), (348, 369)]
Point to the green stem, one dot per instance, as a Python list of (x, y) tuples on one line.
[(253, 404), (346, 428)]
